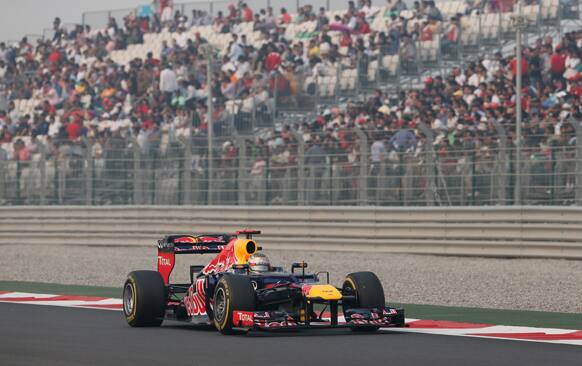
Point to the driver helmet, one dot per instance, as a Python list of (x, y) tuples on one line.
[(259, 263)]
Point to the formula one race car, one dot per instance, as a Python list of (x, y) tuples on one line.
[(239, 291)]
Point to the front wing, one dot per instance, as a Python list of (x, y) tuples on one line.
[(275, 320)]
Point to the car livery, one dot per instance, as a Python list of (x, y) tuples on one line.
[(226, 293)]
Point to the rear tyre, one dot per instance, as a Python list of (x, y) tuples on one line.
[(369, 293), (232, 293), (144, 299)]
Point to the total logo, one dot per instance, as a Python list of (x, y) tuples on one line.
[(164, 261)]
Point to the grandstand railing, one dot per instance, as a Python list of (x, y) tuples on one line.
[(298, 168)]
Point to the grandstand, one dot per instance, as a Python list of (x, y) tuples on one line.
[(387, 104)]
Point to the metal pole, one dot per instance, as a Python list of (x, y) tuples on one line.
[(42, 166), (578, 187), (275, 84), (138, 197), (88, 173), (518, 79), (210, 125), (188, 164)]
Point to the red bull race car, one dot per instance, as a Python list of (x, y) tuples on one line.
[(239, 290)]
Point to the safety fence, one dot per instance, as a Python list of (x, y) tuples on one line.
[(523, 231), (349, 166)]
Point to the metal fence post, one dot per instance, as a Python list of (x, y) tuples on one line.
[(3, 185), (42, 168), (502, 163), (18, 181), (430, 188), (578, 127), (61, 180), (363, 179), (300, 168), (274, 111), (137, 174), (242, 171), (187, 164), (88, 173)]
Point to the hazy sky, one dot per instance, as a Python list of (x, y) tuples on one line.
[(20, 17)]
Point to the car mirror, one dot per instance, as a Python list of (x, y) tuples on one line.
[(301, 265)]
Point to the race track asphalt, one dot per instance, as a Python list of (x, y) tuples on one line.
[(44, 335)]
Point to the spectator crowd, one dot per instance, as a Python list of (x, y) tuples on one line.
[(79, 92)]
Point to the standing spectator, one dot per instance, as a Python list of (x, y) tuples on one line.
[(247, 13), (558, 63), (21, 152), (404, 139), (322, 19), (285, 17), (166, 7), (513, 67), (450, 40), (168, 83)]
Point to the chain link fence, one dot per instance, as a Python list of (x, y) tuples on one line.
[(293, 167)]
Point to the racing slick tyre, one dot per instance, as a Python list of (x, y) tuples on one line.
[(369, 293), (144, 299), (232, 293)]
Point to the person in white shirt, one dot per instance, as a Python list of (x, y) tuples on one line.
[(181, 38), (168, 83)]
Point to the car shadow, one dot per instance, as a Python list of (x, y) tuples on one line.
[(287, 333)]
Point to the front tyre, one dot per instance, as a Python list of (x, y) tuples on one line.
[(144, 299), (369, 293), (232, 293)]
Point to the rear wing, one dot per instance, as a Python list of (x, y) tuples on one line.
[(171, 245), (193, 244)]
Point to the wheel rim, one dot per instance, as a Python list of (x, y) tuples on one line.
[(128, 299), (219, 305)]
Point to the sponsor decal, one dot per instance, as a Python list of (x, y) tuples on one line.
[(222, 261), (262, 314), (195, 299), (211, 239), (243, 318), (162, 261), (197, 247), (269, 324), (162, 244), (185, 239), (305, 290), (166, 265)]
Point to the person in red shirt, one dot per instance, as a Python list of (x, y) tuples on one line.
[(285, 17), (513, 67), (21, 152), (272, 61), (558, 64), (54, 57), (247, 13), (576, 88), (362, 25), (74, 129)]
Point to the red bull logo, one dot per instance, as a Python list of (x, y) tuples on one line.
[(195, 301), (185, 239)]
